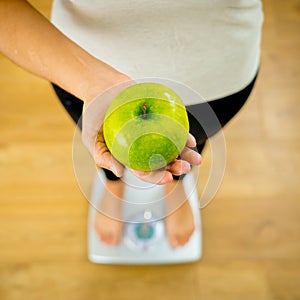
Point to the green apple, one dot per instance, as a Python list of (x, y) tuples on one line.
[(146, 126)]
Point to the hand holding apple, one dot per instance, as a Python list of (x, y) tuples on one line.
[(146, 129), (178, 167), (92, 124), (146, 126), (92, 136)]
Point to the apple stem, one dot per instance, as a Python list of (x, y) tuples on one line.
[(144, 116)]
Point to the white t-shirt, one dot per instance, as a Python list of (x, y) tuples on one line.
[(212, 46)]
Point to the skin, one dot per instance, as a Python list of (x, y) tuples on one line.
[(179, 222), (159, 133), (32, 42)]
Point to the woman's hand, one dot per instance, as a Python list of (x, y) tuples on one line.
[(182, 165), (92, 124), (92, 136), (48, 53)]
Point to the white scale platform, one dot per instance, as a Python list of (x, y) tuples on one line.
[(144, 240)]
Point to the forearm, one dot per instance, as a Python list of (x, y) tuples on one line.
[(32, 42)]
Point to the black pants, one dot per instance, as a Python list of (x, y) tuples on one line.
[(205, 119)]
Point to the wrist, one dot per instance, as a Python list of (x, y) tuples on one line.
[(99, 84), (97, 78)]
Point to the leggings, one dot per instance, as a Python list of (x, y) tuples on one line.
[(224, 110)]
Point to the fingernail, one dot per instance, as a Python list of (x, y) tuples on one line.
[(194, 140), (114, 170), (199, 159)]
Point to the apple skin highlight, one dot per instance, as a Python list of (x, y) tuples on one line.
[(146, 126)]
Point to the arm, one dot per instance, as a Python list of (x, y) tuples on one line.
[(32, 42)]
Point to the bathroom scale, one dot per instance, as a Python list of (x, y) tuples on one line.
[(144, 240)]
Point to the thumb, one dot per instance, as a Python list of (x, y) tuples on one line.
[(107, 161)]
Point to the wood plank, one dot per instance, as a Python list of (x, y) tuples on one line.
[(251, 228)]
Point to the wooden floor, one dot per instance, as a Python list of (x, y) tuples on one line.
[(251, 228)]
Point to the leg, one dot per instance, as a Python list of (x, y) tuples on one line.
[(179, 221), (107, 224)]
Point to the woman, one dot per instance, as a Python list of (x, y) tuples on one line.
[(211, 46)]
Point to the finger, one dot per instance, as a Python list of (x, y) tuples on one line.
[(191, 141), (191, 156), (116, 167), (156, 177), (104, 159), (178, 167)]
